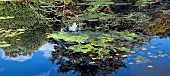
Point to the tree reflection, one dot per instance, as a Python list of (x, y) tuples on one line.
[(25, 31), (27, 42), (18, 53), (95, 62), (85, 65)]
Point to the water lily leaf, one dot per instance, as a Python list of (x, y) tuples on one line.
[(21, 29), (149, 52), (124, 49), (124, 56), (153, 47), (153, 56), (110, 57), (132, 52), (81, 48), (131, 63), (94, 58), (5, 45), (71, 37), (65, 1), (143, 48), (140, 59), (99, 43), (8, 17), (150, 66)]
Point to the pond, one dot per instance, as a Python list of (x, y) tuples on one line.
[(39, 64), (84, 38)]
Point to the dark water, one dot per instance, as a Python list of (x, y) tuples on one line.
[(38, 64)]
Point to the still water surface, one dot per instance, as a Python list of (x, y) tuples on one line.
[(112, 54), (38, 64)]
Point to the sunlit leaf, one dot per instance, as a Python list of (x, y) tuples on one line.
[(21, 29), (150, 66), (5, 45), (143, 48)]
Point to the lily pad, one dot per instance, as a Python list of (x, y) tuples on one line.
[(150, 66), (8, 17), (5, 45)]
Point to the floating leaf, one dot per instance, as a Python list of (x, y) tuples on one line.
[(8, 17), (21, 29), (153, 47), (150, 66), (132, 52), (110, 57), (131, 63), (5, 45), (69, 37), (94, 58), (124, 56), (149, 53), (143, 48), (140, 59)]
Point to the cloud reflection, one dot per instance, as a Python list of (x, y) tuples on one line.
[(47, 49), (19, 58)]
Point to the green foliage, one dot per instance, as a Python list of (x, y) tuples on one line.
[(8, 17), (70, 37), (107, 14), (26, 39), (142, 2), (4, 45), (97, 2), (98, 42), (8, 34), (72, 10), (82, 48), (65, 1), (141, 59), (17, 15)]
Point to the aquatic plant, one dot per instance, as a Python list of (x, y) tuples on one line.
[(8, 34), (17, 15), (27, 40), (99, 54), (97, 42)]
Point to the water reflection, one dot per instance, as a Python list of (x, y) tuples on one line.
[(160, 63), (21, 56), (28, 42), (47, 49), (83, 64), (97, 54), (21, 36), (71, 63), (14, 56), (100, 60), (143, 52)]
